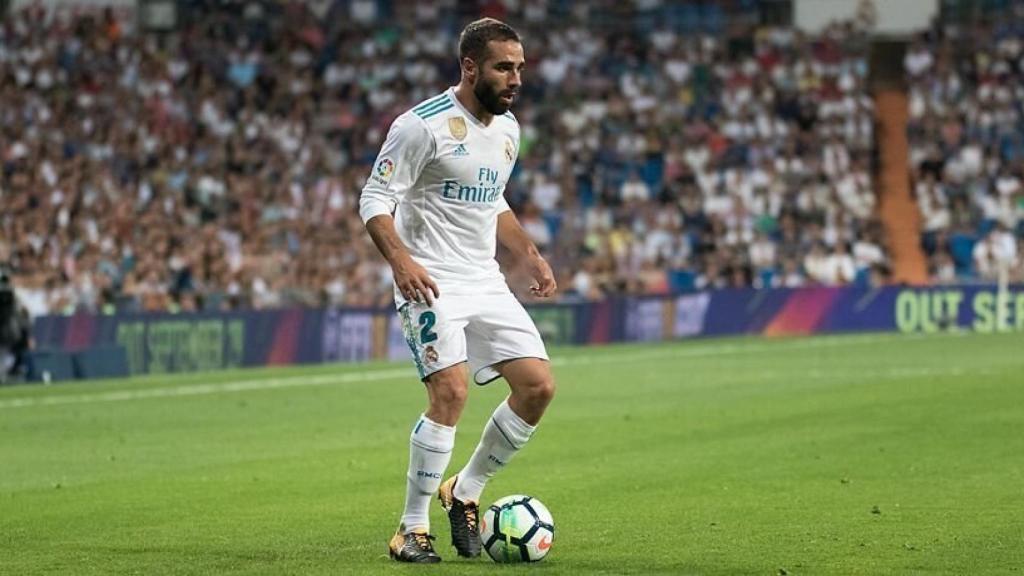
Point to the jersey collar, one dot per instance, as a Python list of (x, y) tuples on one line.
[(472, 118)]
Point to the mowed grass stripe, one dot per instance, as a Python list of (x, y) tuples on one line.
[(345, 374)]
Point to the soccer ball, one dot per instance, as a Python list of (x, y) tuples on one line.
[(517, 529)]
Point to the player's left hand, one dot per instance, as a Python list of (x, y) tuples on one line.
[(544, 280)]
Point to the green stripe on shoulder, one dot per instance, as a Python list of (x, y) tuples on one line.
[(431, 109), (435, 111), (433, 102)]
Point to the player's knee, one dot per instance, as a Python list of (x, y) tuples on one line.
[(546, 389), (452, 395), (540, 389), (447, 390)]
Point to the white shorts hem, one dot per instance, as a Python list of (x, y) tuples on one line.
[(482, 370), (433, 371)]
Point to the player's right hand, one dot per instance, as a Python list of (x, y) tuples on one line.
[(414, 283)]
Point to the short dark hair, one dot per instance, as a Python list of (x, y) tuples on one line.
[(475, 36)]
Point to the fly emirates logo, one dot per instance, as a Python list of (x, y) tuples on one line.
[(486, 190)]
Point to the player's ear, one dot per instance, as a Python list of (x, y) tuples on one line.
[(469, 69)]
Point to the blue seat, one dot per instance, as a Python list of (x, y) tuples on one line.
[(682, 280), (985, 226), (652, 171), (712, 19), (961, 248), (553, 220), (689, 18)]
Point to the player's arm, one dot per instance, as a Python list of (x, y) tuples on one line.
[(512, 236), (412, 279), (406, 150)]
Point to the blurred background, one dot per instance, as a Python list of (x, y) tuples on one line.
[(204, 160)]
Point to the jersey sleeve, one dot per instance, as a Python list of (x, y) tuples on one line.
[(503, 205), (406, 151)]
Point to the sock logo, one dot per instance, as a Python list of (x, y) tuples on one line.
[(425, 474), (495, 459)]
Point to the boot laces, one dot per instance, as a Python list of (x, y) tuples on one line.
[(423, 540), (470, 512)]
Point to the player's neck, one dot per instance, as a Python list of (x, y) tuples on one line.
[(471, 103)]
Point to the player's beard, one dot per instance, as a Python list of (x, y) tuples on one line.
[(489, 97)]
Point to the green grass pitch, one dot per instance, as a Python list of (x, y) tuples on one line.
[(877, 454)]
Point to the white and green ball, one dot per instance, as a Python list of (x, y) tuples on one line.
[(517, 529)]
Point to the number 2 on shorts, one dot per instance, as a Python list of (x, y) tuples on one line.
[(427, 334)]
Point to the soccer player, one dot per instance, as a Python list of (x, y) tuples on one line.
[(434, 205)]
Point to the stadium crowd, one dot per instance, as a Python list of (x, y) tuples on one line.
[(219, 166), (966, 87)]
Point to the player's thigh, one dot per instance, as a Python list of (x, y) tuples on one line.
[(448, 388), (436, 335), (500, 330)]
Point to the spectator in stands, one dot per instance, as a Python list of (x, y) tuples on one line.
[(964, 130), (943, 268), (996, 253), (816, 263), (790, 275)]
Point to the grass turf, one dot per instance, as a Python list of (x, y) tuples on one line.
[(835, 455)]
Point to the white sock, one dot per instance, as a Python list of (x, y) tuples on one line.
[(430, 449), (504, 435)]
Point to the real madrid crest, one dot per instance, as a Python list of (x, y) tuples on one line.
[(457, 126), (510, 151), (430, 355)]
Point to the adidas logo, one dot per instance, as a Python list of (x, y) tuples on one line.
[(460, 150)]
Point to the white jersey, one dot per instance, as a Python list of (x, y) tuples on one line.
[(442, 174)]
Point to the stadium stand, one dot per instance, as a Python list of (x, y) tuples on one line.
[(967, 144), (218, 166)]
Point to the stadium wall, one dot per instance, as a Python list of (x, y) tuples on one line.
[(887, 17), (161, 343)]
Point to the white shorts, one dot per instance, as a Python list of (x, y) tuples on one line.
[(480, 329)]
